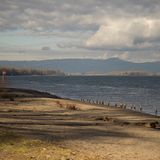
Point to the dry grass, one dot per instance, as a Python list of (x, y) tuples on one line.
[(16, 147), (72, 107), (67, 106)]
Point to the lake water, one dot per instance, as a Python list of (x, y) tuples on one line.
[(144, 91)]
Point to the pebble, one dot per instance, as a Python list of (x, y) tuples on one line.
[(32, 157), (44, 149), (73, 153)]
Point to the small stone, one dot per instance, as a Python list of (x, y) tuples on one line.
[(32, 157), (44, 149), (73, 153)]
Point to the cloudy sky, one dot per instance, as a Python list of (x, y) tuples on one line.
[(53, 29)]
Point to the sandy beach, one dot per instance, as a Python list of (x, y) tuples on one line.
[(35, 125)]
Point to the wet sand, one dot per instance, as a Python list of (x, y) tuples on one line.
[(66, 129)]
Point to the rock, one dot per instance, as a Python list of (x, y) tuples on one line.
[(44, 149), (32, 157), (73, 153)]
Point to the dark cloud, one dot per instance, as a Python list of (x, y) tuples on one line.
[(66, 15), (45, 48)]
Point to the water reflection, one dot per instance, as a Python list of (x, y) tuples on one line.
[(3, 81)]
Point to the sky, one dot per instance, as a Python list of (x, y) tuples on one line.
[(98, 29)]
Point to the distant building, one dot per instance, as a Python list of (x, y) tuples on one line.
[(4, 73)]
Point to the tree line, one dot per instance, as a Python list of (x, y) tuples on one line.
[(18, 71)]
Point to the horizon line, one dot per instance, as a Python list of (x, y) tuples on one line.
[(79, 59)]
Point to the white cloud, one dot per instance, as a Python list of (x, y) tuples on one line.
[(124, 56), (126, 33)]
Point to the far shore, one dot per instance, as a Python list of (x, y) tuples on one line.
[(38, 125)]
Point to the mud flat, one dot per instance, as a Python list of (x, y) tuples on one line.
[(35, 125)]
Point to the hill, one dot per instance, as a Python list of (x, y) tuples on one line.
[(85, 65)]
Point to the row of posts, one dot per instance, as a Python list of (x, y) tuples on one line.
[(123, 106)]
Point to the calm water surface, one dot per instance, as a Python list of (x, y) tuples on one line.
[(144, 91)]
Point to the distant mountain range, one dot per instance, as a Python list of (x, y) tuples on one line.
[(84, 66)]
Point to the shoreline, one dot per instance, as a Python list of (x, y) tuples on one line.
[(40, 94), (119, 91), (11, 94), (52, 128)]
